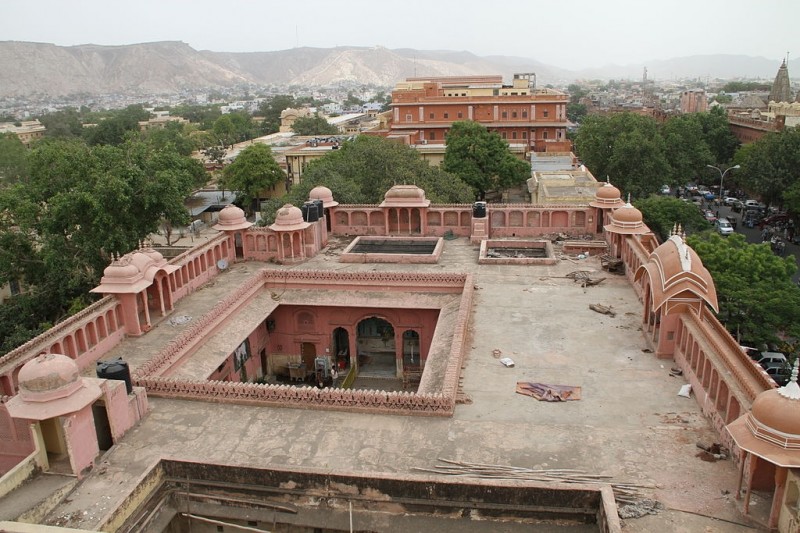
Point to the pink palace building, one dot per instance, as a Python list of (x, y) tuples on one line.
[(342, 325)]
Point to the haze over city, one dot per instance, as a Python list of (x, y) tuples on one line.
[(580, 34)]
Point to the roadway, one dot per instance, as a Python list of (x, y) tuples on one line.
[(754, 235)]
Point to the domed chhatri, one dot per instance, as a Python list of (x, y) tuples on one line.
[(405, 196), (772, 427), (779, 409), (231, 218), (289, 218), (627, 220), (323, 193), (607, 197), (49, 375), (50, 385)]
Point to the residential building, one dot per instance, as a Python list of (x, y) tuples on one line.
[(28, 131), (519, 113)]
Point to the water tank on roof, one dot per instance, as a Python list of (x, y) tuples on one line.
[(479, 210), (115, 369), (320, 207), (310, 212)]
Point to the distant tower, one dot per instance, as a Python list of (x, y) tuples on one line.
[(780, 88), (644, 76)]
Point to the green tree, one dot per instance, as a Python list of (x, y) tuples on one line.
[(576, 112), (77, 205), (315, 125), (757, 298), (628, 148), (13, 162), (482, 159), (661, 213), (64, 123), (115, 128), (173, 136), (686, 148), (362, 170), (771, 165), (253, 170), (718, 136), (271, 111)]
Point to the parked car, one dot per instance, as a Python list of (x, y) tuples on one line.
[(708, 195), (780, 374), (772, 359), (737, 206), (724, 226), (729, 200), (665, 189), (710, 216), (751, 203)]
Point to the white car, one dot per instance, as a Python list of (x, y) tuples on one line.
[(729, 200), (724, 226)]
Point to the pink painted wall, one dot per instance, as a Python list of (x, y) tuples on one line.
[(296, 324), (81, 439)]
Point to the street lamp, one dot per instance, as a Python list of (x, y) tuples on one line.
[(722, 177)]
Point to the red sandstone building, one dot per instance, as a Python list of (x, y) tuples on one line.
[(424, 109)]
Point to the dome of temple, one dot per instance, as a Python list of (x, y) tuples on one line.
[(607, 197), (405, 196), (405, 192), (51, 375), (141, 261), (153, 254), (231, 218), (627, 214), (289, 218), (120, 271), (288, 215), (779, 409), (323, 193), (627, 220)]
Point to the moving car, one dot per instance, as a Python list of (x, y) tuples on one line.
[(710, 216), (724, 226)]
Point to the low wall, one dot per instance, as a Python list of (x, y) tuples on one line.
[(484, 257), (348, 256), (591, 248), (371, 496)]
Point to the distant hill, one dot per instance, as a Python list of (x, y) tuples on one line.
[(170, 66)]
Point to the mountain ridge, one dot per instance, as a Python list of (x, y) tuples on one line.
[(170, 66)]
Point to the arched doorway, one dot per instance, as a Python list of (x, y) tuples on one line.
[(411, 355), (376, 348), (341, 348)]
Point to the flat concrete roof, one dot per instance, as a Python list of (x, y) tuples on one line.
[(629, 423)]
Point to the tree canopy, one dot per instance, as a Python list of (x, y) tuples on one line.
[(253, 170), (362, 170), (756, 295), (640, 155), (771, 168), (315, 125), (13, 163), (661, 213), (482, 159), (77, 205)]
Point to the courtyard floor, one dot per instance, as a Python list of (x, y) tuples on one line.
[(629, 423)]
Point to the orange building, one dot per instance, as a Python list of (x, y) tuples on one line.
[(520, 112)]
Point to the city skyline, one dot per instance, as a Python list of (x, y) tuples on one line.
[(586, 35)]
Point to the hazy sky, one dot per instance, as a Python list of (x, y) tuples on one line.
[(576, 34)]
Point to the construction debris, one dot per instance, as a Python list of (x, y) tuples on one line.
[(585, 278), (603, 309), (496, 353), (624, 493), (548, 393), (612, 264)]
